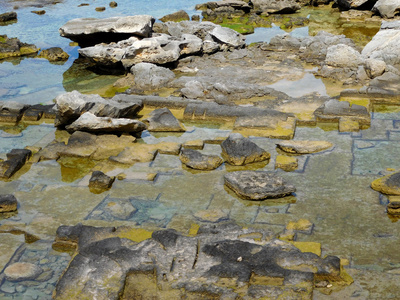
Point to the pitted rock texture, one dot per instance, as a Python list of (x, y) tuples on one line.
[(258, 185)]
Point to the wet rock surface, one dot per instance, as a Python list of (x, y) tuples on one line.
[(304, 147), (100, 181), (258, 185), (196, 160), (8, 16), (163, 120), (13, 47), (16, 159), (22, 271), (8, 203), (54, 54)]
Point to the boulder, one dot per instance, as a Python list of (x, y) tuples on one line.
[(91, 31), (304, 147), (389, 185), (90, 123), (176, 17), (374, 67), (8, 203), (196, 160), (8, 16), (163, 120), (22, 271), (258, 185), (238, 150), (387, 8), (72, 105), (100, 181), (343, 56), (13, 47), (149, 76), (228, 37), (54, 54)]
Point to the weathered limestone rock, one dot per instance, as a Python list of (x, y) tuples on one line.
[(38, 111), (8, 16), (389, 185), (228, 36), (123, 209), (70, 106), (176, 17), (286, 163), (238, 150), (276, 6), (90, 123), (304, 147), (196, 160), (91, 31), (8, 203), (374, 67), (387, 8), (11, 111), (54, 54), (352, 4), (258, 185), (15, 161), (162, 119), (22, 271), (13, 47), (100, 181), (343, 56), (149, 76)]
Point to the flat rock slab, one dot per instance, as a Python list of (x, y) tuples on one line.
[(196, 160), (8, 203), (258, 185), (22, 271), (389, 185), (304, 147)]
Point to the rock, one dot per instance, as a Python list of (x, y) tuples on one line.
[(374, 67), (38, 111), (393, 208), (113, 4), (123, 209), (8, 203), (304, 147), (90, 123), (100, 8), (71, 106), (176, 17), (238, 150), (13, 47), (388, 185), (22, 271), (385, 45), (196, 160), (149, 76), (195, 144), (351, 4), (196, 18), (54, 54), (275, 6), (39, 12), (163, 120), (343, 56), (11, 111), (228, 36), (8, 16), (258, 185), (100, 181), (387, 8), (91, 31), (212, 215), (15, 161), (286, 163)]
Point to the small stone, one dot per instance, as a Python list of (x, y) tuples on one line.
[(8, 16), (101, 8), (393, 208), (196, 18), (196, 160), (8, 203), (286, 163), (123, 209), (83, 4), (113, 4), (212, 215), (388, 185), (176, 17), (54, 54), (39, 12), (100, 181), (22, 271)]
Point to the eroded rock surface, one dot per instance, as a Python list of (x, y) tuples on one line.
[(8, 203), (389, 185), (196, 160), (162, 119), (304, 147), (13, 47)]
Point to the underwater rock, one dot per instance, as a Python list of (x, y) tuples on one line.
[(108, 267), (54, 54), (22, 271), (100, 181), (387, 8), (286, 163), (388, 185), (113, 4), (91, 31), (162, 119), (196, 160), (212, 215), (8, 203), (176, 17), (90, 123), (238, 150), (13, 47), (258, 185), (149, 76), (304, 147), (8, 16)]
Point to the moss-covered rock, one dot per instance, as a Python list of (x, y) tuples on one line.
[(13, 47)]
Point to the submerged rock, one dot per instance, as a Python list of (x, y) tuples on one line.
[(12, 111), (22, 271), (162, 119), (304, 147), (8, 203), (238, 150), (388, 185), (258, 185), (196, 160)]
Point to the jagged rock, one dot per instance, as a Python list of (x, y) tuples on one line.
[(238, 150), (54, 54), (22, 271), (163, 120), (304, 147), (176, 17), (389, 185), (8, 16), (8, 203), (13, 47), (90, 123), (149, 76), (11, 111), (196, 160), (16, 158), (91, 31), (276, 6), (387, 8), (258, 185), (343, 56), (71, 105), (100, 181), (226, 252)]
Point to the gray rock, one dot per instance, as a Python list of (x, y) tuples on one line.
[(8, 203), (238, 150), (90, 123), (123, 209), (374, 67), (178, 16), (8, 16), (91, 31), (304, 147), (343, 56), (387, 8), (196, 160), (15, 161), (163, 120), (276, 6), (258, 185), (22, 271), (228, 36), (100, 181), (149, 76), (71, 105), (12, 111)]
